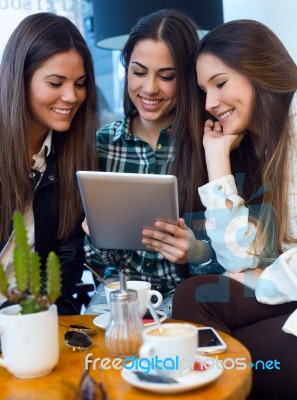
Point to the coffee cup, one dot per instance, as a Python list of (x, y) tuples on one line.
[(30, 342), (170, 351), (144, 294)]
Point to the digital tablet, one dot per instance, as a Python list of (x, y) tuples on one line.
[(118, 206)]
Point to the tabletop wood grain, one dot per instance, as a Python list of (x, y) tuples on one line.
[(62, 383)]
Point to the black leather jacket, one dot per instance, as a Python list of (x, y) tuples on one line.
[(46, 216)]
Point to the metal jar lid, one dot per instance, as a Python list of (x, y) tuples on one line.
[(125, 295)]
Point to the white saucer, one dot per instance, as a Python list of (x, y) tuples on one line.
[(192, 380), (102, 320)]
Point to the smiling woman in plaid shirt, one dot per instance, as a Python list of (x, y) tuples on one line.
[(155, 137)]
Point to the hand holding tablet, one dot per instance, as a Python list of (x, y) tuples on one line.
[(118, 206)]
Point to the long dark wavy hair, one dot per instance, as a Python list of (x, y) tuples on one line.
[(179, 32), (37, 38), (252, 49)]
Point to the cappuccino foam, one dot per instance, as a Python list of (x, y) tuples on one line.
[(176, 331)]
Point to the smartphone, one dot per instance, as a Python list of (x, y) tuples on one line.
[(209, 341)]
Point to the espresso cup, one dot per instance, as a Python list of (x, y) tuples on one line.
[(170, 351), (144, 294), (30, 342)]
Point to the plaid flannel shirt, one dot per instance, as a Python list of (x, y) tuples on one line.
[(120, 151)]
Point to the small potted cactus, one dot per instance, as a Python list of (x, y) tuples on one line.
[(29, 329), (27, 269)]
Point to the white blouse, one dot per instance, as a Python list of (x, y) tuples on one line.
[(231, 232)]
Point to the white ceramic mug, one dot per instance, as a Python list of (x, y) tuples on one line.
[(172, 352), (144, 294), (30, 342)]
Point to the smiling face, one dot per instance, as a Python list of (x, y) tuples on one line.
[(56, 91), (152, 82), (228, 93)]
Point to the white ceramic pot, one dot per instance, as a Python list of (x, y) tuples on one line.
[(30, 342)]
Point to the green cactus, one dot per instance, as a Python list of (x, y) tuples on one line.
[(21, 269), (53, 270), (21, 237), (3, 281), (34, 274), (27, 269)]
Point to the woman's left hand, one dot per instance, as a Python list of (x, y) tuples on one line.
[(174, 242)]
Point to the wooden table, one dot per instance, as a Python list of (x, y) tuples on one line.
[(63, 382)]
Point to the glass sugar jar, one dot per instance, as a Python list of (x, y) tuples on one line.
[(123, 336)]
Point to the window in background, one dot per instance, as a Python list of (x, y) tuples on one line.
[(109, 73)]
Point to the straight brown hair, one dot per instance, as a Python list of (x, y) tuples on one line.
[(252, 49), (37, 38), (179, 32)]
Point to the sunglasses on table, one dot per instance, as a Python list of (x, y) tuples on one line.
[(78, 337)]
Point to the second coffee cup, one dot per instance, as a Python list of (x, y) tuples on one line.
[(174, 347), (144, 294)]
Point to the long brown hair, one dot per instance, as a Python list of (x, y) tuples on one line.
[(37, 38), (179, 32), (252, 49)]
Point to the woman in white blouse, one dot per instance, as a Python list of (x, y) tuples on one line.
[(248, 81)]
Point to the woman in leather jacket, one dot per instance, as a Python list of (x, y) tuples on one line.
[(48, 120)]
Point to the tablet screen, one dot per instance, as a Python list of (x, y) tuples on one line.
[(118, 206)]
